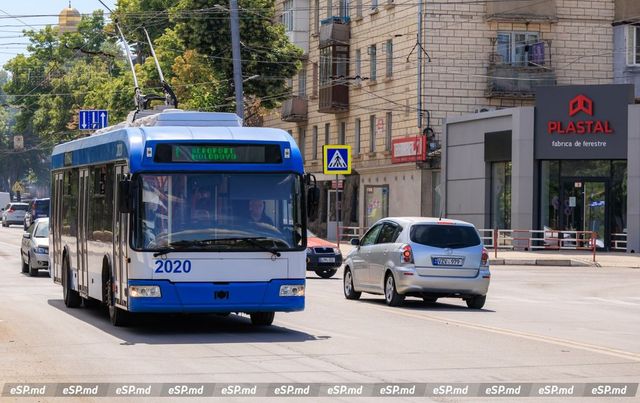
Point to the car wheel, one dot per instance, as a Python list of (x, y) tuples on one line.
[(71, 297), (25, 266), (429, 300), (326, 273), (390, 293), (349, 291), (262, 318), (476, 302), (33, 272)]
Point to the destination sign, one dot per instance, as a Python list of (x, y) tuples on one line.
[(219, 153)]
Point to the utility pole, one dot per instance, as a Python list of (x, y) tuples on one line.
[(235, 54), (420, 50)]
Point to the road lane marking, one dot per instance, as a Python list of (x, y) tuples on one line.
[(524, 335)]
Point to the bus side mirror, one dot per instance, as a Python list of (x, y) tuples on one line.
[(125, 202), (313, 200)]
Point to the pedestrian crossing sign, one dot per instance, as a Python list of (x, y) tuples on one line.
[(336, 159)]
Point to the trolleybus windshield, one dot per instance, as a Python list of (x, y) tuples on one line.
[(218, 212)]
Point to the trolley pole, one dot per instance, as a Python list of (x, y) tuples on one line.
[(237, 62)]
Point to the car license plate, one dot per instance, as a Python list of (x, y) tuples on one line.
[(447, 261), (327, 260)]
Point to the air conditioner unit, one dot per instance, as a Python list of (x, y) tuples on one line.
[(481, 109)]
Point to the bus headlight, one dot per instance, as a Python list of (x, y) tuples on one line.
[(296, 290), (144, 291)]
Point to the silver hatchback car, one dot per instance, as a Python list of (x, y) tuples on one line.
[(422, 257)]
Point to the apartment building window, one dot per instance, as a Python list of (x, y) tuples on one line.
[(372, 133), (329, 9), (302, 133), (372, 63), (302, 82), (388, 133), (633, 45), (358, 8), (358, 63), (374, 4), (316, 15), (356, 140), (287, 15), (344, 8), (342, 134), (327, 133), (315, 80), (520, 48), (389, 49), (314, 150)]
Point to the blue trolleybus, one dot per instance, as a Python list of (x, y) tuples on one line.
[(180, 212)]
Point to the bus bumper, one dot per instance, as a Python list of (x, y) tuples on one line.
[(217, 297)]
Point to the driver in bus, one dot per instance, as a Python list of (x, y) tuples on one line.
[(257, 213)]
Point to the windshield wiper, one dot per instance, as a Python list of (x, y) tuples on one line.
[(172, 247), (254, 242)]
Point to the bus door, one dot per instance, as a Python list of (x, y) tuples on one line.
[(56, 226), (120, 256), (83, 272)]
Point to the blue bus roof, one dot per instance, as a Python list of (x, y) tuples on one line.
[(131, 144)]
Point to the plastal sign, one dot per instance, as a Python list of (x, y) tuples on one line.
[(582, 122)]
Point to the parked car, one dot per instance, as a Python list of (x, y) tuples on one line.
[(5, 198), (422, 257), (14, 213), (38, 208), (323, 257), (35, 247)]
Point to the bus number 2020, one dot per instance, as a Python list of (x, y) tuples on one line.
[(172, 266)]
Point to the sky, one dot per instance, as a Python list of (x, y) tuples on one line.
[(17, 15)]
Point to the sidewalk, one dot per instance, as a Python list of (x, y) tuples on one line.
[(553, 258)]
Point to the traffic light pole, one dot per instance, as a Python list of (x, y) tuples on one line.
[(235, 54)]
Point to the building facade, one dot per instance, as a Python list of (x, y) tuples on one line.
[(382, 76)]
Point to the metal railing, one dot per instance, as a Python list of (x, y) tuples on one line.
[(544, 239), (346, 233)]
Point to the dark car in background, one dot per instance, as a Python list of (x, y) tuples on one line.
[(38, 208), (323, 257)]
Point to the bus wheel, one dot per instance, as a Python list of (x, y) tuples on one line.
[(71, 297), (262, 318), (117, 316)]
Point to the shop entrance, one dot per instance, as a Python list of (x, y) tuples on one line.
[(585, 207)]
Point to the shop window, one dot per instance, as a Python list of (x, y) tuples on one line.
[(618, 196), (633, 45), (517, 48), (501, 195), (376, 200), (550, 194), (586, 168)]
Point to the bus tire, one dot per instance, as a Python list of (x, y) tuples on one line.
[(117, 316), (262, 318), (71, 297)]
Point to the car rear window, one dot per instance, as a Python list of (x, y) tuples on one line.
[(42, 207), (445, 236), (24, 207)]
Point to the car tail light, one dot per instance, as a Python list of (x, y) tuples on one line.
[(485, 257), (10, 210), (407, 254)]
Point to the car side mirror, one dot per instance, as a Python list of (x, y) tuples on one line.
[(355, 242), (26, 235), (313, 200)]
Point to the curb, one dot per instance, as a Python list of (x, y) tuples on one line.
[(541, 262)]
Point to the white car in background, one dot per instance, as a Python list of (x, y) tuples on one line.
[(35, 247), (13, 214)]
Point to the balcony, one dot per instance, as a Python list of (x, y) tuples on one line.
[(334, 31), (295, 110), (519, 79), (522, 11), (334, 98)]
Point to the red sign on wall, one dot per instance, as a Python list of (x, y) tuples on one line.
[(408, 149), (580, 104)]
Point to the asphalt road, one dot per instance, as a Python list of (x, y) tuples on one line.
[(555, 324)]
